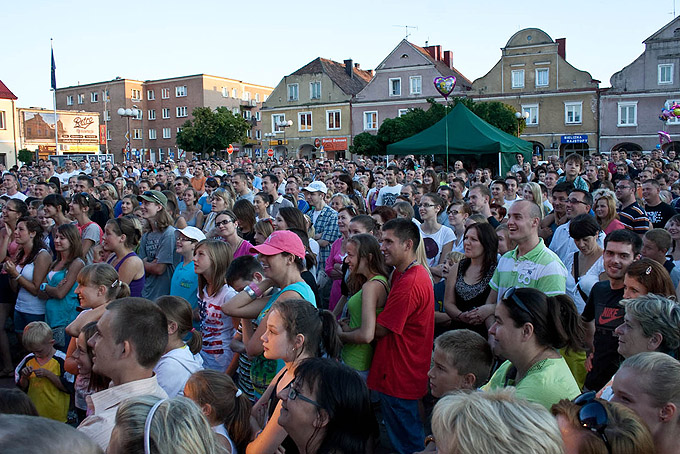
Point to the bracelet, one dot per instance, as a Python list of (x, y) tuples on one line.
[(17, 278), (253, 286), (250, 292)]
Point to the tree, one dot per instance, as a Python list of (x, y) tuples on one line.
[(212, 130), (26, 156), (499, 115)]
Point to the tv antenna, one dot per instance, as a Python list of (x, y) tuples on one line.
[(406, 27)]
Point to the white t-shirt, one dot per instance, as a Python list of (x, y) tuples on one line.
[(174, 369), (388, 195), (434, 243), (18, 195), (217, 329)]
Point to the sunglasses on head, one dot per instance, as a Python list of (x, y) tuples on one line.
[(593, 416), (510, 294)]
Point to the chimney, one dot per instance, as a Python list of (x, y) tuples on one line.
[(435, 52), (348, 68), (357, 66), (562, 47), (448, 58)]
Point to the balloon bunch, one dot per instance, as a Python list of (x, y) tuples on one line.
[(673, 112)]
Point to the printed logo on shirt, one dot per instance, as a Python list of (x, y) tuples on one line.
[(431, 248), (609, 315)]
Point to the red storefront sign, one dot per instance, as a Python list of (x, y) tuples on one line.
[(334, 143)]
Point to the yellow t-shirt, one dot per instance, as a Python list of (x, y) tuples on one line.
[(48, 400)]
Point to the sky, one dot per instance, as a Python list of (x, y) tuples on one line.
[(260, 42)]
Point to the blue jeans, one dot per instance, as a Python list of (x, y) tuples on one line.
[(21, 319), (403, 424)]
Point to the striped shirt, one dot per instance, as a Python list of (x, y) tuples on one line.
[(539, 268), (634, 217)]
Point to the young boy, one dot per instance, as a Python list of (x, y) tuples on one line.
[(573, 164), (184, 282), (41, 373)]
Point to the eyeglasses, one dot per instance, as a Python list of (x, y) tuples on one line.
[(622, 187), (593, 415), (225, 222), (294, 394), (511, 294), (575, 201), (453, 212), (153, 196), (7, 208)]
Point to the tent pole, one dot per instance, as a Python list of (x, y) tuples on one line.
[(500, 170), (447, 142)]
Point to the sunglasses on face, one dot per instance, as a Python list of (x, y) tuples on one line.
[(593, 416)]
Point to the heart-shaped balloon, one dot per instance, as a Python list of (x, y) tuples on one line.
[(445, 85)]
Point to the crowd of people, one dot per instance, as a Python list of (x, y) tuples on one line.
[(348, 306)]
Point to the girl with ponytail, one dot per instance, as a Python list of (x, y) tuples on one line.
[(225, 407), (181, 359), (529, 329)]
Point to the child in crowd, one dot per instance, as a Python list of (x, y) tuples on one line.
[(242, 272), (226, 407), (41, 373), (180, 359), (505, 244), (87, 382), (441, 318), (184, 281), (211, 261)]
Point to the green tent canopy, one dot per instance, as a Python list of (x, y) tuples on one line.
[(468, 135)]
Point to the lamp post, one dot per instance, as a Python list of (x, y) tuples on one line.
[(128, 113), (284, 125), (520, 116)]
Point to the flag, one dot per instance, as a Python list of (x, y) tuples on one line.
[(54, 72)]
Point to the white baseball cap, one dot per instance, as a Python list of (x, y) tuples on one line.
[(192, 233), (316, 186)]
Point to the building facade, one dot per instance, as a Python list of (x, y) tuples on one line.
[(559, 101), (316, 102), (164, 105), (630, 109), (8, 128), (402, 81)]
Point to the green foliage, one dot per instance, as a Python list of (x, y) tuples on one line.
[(212, 130), (26, 156), (414, 121)]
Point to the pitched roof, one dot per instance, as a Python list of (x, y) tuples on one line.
[(5, 92), (444, 69), (336, 71), (660, 31)]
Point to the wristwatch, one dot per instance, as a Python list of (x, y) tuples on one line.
[(43, 286)]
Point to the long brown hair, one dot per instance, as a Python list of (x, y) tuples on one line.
[(33, 226), (178, 310), (70, 232), (220, 255), (368, 248)]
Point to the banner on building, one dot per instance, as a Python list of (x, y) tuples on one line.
[(74, 128)]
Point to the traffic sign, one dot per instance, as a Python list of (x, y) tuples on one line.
[(230, 149), (270, 153)]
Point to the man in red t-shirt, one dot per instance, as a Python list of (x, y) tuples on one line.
[(405, 334)]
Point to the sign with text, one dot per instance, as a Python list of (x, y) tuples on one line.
[(76, 128), (576, 138), (334, 143)]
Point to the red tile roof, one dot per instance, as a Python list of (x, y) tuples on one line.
[(5, 92), (338, 74)]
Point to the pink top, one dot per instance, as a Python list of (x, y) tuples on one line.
[(336, 256), (243, 249), (614, 225)]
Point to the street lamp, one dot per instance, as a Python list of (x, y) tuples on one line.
[(285, 124), (128, 113), (519, 117)]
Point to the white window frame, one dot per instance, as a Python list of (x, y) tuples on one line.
[(529, 108), (415, 85), (165, 93), (660, 69), (107, 115), (165, 113), (180, 91), (181, 112), (139, 116), (94, 96), (258, 134), (276, 118), (152, 114), (622, 120), (316, 83), (307, 127), (391, 87), (547, 81), (236, 111), (135, 94), (246, 96), (293, 96), (234, 93), (179, 129), (374, 126), (258, 116), (137, 134), (668, 105), (225, 92), (108, 134), (567, 105), (402, 112), (515, 80), (152, 134), (150, 95), (106, 95), (257, 97), (2, 120), (81, 98), (69, 100), (167, 133), (328, 118)]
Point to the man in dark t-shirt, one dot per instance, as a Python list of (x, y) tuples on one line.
[(602, 314), (658, 212)]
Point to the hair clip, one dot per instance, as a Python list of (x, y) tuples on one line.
[(115, 283), (648, 270)]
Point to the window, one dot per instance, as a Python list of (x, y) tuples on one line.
[(181, 112), (249, 134), (293, 94), (668, 105), (258, 117), (518, 78), (225, 92), (69, 100), (140, 114), (371, 121), (106, 95), (416, 83), (137, 134), (402, 112), (150, 95), (94, 96), (180, 91), (152, 114), (395, 87), (627, 114), (165, 113), (572, 112), (136, 95), (258, 134), (107, 115), (257, 97), (532, 110), (315, 90), (332, 119), (108, 134), (542, 77), (665, 73), (234, 93), (81, 99), (152, 134), (304, 121), (235, 111), (247, 114), (246, 96), (167, 132), (179, 130), (165, 93), (276, 119), (2, 120)]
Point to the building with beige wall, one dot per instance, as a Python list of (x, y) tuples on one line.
[(317, 100), (165, 104), (8, 128), (559, 100)]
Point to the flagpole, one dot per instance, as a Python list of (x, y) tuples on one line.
[(54, 100)]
